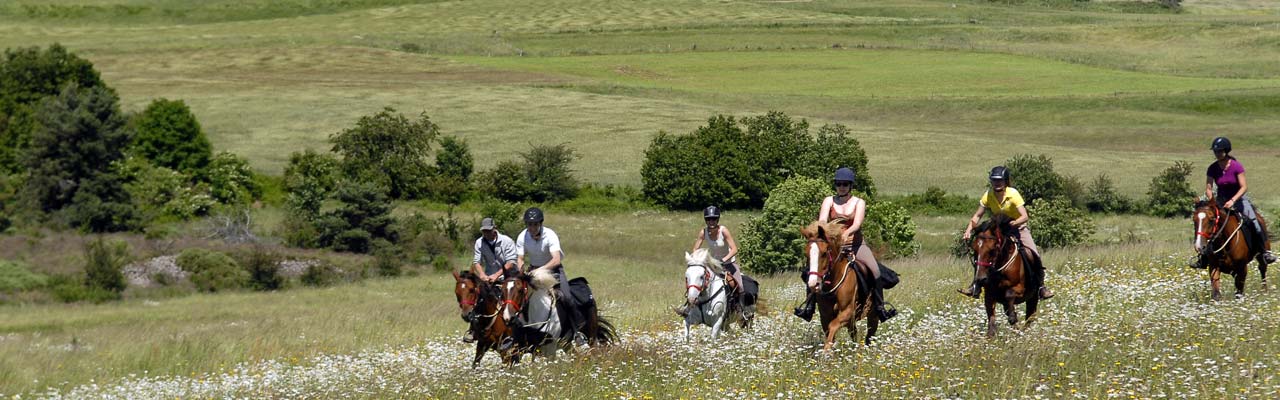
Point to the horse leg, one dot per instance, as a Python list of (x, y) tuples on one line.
[(1262, 270), (1214, 275), (687, 326), (1011, 309), (841, 319), (715, 329), (481, 346), (1240, 276), (1031, 309), (990, 304), (873, 323)]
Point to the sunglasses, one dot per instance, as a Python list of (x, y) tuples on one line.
[(844, 184)]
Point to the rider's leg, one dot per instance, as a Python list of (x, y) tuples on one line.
[(736, 275), (867, 261), (576, 319), (1261, 242), (806, 309), (1024, 236)]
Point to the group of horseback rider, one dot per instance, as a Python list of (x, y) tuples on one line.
[(538, 247)]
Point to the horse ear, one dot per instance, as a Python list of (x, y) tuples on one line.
[(457, 277), (822, 232), (687, 256)]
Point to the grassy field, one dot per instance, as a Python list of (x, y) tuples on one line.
[(1130, 320), (936, 91)]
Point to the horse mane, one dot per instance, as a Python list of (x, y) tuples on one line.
[(831, 229), (711, 263), (468, 275), (1002, 222)]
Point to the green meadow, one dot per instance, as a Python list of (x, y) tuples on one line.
[(937, 92)]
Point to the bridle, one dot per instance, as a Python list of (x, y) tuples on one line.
[(1000, 245), (832, 259), (706, 281), (1219, 226)]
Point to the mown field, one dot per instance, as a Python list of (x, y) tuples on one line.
[(936, 91)]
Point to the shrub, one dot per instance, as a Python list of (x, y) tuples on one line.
[(440, 264), (449, 189), (1055, 223), (16, 277), (506, 181), (231, 180), (889, 230), (1103, 198), (1035, 178), (80, 132), (161, 192), (454, 158), (298, 231), (364, 214), (1170, 194), (772, 242), (263, 267), (212, 271), (935, 201), (169, 135), (547, 168), (389, 150), (68, 290), (321, 274), (387, 260), (735, 164), (421, 240), (308, 180), (506, 215), (104, 262)]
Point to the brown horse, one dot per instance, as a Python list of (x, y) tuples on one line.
[(467, 289), (1007, 273), (836, 284), (1219, 241), (492, 324)]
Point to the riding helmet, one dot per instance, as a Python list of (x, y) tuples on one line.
[(1221, 143), (999, 173), (844, 174), (533, 215), (711, 212)]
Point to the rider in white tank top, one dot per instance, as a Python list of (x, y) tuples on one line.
[(719, 247)]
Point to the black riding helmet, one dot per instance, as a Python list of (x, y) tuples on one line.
[(999, 173), (533, 215), (1221, 143), (711, 212), (844, 174)]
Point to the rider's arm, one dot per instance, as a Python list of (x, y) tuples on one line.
[(1243, 187), (825, 213), (475, 262), (1022, 217), (973, 222), (733, 244), (697, 242), (553, 245), (555, 261), (1208, 187)]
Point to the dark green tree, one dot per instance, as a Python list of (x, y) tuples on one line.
[(390, 150), (28, 75), (1169, 194), (168, 134), (454, 158)]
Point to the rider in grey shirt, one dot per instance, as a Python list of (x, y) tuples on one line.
[(495, 254)]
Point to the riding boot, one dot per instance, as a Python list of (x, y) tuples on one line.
[(805, 311), (682, 310), (972, 291), (877, 294), (1263, 241)]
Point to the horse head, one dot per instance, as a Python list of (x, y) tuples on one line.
[(515, 292), (823, 243), (1207, 220), (991, 243), (698, 272), (467, 290)]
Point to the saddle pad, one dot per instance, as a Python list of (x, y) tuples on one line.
[(580, 289)]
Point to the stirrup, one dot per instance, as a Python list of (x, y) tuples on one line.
[(1045, 293), (970, 291), (886, 314)]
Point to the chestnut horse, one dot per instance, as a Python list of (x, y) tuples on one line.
[(482, 306), (1008, 273), (1219, 241), (833, 279)]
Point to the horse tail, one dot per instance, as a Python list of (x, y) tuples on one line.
[(606, 334)]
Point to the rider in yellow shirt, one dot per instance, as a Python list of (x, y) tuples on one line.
[(1005, 200)]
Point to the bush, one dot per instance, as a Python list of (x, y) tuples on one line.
[(1170, 194), (735, 164), (454, 158), (16, 277), (387, 260), (297, 231), (547, 168), (212, 271), (169, 135), (231, 180), (449, 189), (264, 269), (308, 180), (506, 216), (1103, 198), (935, 201), (68, 290), (388, 150), (440, 264), (104, 262), (889, 230), (1057, 224), (601, 199), (80, 132), (364, 215), (1035, 178), (506, 181), (421, 240), (161, 192), (772, 242), (321, 274)]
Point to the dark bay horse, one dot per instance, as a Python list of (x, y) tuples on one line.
[(1219, 241), (837, 285), (597, 330), (1008, 273), (482, 306)]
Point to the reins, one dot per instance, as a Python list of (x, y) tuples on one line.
[(832, 259)]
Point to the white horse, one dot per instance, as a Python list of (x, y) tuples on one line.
[(707, 294), (542, 310)]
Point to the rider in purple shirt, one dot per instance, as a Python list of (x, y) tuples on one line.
[(1227, 175)]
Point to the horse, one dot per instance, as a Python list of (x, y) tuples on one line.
[(1007, 273), (1221, 244), (841, 302), (708, 295), (544, 332), (486, 313)]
